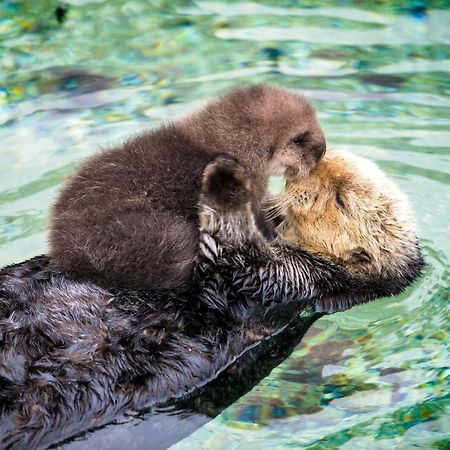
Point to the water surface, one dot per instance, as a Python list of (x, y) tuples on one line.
[(373, 377)]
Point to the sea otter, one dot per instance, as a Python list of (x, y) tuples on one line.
[(349, 211), (128, 217), (75, 355)]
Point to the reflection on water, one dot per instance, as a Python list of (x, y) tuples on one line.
[(373, 377)]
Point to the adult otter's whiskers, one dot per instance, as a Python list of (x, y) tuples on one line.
[(277, 205)]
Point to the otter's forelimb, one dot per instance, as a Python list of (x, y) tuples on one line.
[(235, 255)]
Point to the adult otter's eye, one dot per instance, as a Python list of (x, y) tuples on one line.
[(360, 256), (300, 139), (339, 201)]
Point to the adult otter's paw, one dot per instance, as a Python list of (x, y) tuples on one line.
[(226, 185)]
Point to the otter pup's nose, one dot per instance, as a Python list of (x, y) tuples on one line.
[(319, 150)]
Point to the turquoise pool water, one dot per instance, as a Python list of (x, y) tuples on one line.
[(374, 377)]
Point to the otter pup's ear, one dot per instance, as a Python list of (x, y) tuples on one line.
[(359, 256)]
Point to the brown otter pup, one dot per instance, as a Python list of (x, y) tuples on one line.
[(129, 218), (349, 212)]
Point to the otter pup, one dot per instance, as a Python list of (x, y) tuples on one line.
[(128, 217), (75, 356), (348, 211)]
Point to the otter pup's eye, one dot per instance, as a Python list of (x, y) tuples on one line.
[(339, 201), (301, 138)]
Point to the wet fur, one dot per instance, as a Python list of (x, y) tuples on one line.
[(128, 217), (74, 355)]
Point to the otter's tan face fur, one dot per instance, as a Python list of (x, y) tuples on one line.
[(347, 209)]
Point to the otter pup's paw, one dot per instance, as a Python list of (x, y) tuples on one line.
[(226, 185), (225, 208)]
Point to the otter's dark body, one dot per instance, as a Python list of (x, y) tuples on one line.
[(128, 217), (74, 355)]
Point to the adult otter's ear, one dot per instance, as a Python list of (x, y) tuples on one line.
[(359, 256)]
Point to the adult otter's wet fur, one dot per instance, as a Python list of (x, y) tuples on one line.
[(128, 217), (74, 355)]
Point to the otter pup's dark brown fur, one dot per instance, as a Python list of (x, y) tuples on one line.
[(129, 215)]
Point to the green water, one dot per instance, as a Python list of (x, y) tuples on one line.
[(374, 377)]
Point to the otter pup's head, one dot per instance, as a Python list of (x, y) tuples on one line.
[(262, 124), (347, 210), (287, 123)]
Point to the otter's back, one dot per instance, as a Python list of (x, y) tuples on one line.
[(128, 217)]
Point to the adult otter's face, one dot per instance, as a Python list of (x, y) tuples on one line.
[(347, 209)]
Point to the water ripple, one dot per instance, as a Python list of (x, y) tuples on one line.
[(372, 377)]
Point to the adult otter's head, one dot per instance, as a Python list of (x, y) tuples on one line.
[(262, 124), (347, 210)]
